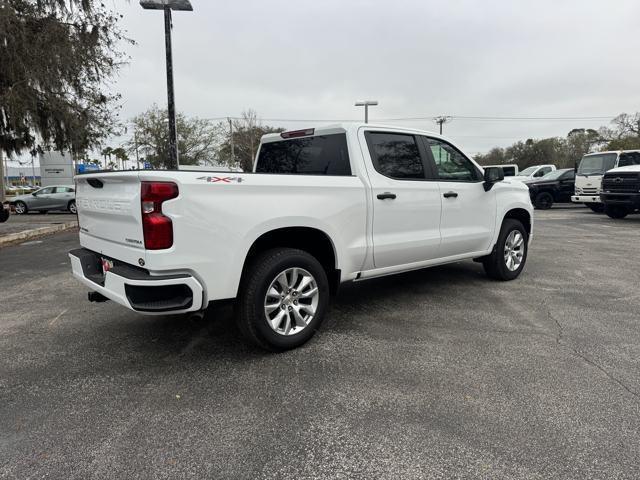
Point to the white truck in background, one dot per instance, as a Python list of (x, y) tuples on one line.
[(592, 168), (323, 206), (534, 172)]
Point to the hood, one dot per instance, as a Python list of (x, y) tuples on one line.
[(541, 183), (628, 168)]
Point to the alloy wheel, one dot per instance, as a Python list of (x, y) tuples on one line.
[(291, 301), (514, 250)]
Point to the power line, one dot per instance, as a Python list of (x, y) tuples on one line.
[(430, 118)]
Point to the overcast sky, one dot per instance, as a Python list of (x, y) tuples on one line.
[(312, 59)]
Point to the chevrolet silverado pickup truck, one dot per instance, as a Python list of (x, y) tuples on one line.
[(323, 206), (621, 191)]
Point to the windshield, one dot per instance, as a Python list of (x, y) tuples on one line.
[(631, 158), (528, 171), (597, 164), (556, 174)]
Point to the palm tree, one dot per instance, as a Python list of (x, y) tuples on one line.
[(106, 153)]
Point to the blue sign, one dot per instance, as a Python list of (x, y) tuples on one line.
[(88, 167), (147, 166)]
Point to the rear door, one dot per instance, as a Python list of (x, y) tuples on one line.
[(61, 197), (406, 205), (109, 211), (468, 212)]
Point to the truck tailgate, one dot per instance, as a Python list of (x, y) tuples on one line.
[(109, 214)]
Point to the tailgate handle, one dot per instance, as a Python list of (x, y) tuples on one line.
[(95, 183)]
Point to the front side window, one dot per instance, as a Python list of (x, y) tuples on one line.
[(45, 191), (396, 155), (451, 165), (318, 155)]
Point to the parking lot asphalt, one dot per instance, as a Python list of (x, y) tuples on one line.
[(21, 223), (438, 373)]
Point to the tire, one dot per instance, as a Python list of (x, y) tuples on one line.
[(21, 208), (497, 265), (596, 207), (72, 207), (260, 316), (616, 211), (543, 201)]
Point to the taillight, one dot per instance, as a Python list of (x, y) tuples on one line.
[(157, 228)]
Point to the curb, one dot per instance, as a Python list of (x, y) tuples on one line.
[(35, 233)]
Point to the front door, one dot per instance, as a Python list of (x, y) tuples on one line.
[(468, 211), (406, 205), (42, 198)]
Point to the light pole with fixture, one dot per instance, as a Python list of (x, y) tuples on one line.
[(167, 6), (366, 104)]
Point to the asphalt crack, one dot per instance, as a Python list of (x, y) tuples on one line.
[(559, 341)]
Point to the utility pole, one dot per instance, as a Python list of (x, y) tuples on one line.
[(441, 120), (233, 155), (135, 144), (366, 104)]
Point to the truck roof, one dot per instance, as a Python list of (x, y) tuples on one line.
[(611, 151), (344, 127)]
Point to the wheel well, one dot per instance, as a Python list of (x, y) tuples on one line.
[(521, 215), (311, 240)]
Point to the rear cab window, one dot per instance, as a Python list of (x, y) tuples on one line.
[(314, 155), (396, 155)]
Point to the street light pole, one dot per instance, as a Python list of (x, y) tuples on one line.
[(366, 104), (167, 6), (173, 137)]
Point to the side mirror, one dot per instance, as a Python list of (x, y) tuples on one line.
[(34, 194), (492, 175)]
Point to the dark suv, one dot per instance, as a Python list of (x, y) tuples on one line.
[(621, 191), (554, 187)]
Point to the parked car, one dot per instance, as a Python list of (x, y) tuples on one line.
[(533, 173), (56, 197), (621, 191), (555, 187), (590, 171), (323, 206), (510, 170)]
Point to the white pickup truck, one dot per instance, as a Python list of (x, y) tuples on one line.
[(323, 206)]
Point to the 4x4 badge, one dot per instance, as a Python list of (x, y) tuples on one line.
[(221, 179)]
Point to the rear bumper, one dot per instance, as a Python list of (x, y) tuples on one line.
[(135, 288), (586, 198)]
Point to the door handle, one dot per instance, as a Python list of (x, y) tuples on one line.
[(450, 195), (385, 195)]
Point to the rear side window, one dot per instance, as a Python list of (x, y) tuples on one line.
[(396, 155), (319, 155)]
